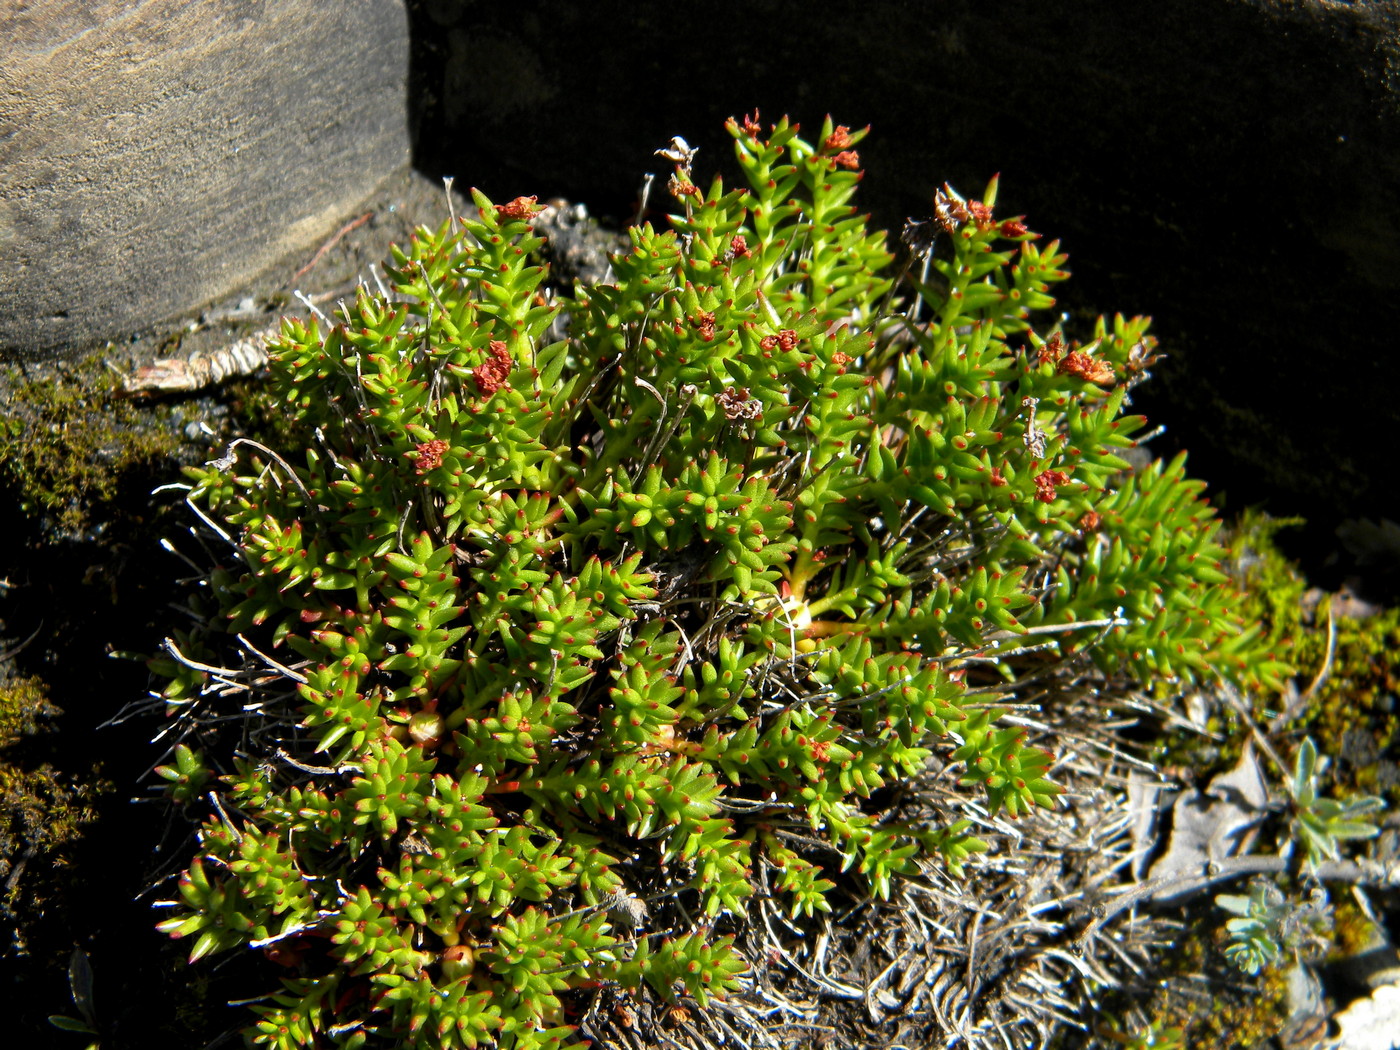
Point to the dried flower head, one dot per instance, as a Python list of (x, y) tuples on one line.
[(705, 325), (1143, 355), (679, 152), (949, 210), (679, 187), (1050, 351), (737, 404), (838, 140), (1080, 364)]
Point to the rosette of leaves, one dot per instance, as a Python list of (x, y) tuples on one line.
[(1321, 824), (1268, 923), (580, 643)]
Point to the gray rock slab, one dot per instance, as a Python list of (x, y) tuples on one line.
[(155, 155)]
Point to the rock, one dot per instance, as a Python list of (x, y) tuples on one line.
[(1227, 168), (156, 156)]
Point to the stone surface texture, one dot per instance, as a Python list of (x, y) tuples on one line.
[(155, 155)]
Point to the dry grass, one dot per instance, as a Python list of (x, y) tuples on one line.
[(1012, 955)]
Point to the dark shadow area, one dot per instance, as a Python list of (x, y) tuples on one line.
[(90, 595)]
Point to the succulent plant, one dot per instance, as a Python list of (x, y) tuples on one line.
[(582, 616)]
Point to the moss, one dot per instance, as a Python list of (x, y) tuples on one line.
[(43, 813), (1352, 715), (1352, 932), (24, 709), (66, 441), (1220, 1007)]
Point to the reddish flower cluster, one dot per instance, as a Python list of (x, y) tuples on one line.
[(520, 208), (847, 159), (838, 140), (751, 125), (981, 214), (996, 479), (430, 455), (1012, 228), (1045, 483), (739, 247), (705, 325), (786, 339), (1090, 522), (1080, 364), (492, 373), (737, 404)]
